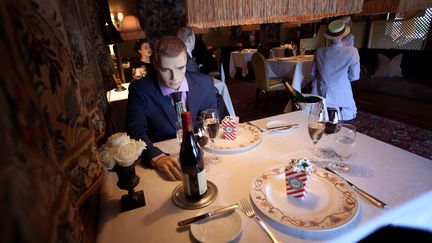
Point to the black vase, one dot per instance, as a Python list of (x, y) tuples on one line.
[(128, 180)]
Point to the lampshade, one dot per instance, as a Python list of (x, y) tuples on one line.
[(211, 14), (250, 27), (130, 29)]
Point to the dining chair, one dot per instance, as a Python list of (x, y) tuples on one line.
[(263, 82), (218, 73)]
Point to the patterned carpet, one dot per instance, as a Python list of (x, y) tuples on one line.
[(404, 136)]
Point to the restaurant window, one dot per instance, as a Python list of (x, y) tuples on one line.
[(408, 34)]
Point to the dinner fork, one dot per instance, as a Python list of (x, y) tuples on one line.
[(250, 212)]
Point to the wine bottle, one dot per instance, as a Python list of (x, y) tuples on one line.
[(296, 96), (192, 162)]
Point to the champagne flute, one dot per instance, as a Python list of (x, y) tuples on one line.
[(211, 123), (316, 123), (344, 144)]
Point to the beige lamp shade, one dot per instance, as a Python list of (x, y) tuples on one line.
[(211, 14), (130, 29)]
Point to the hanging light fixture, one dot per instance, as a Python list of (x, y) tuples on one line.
[(210, 14)]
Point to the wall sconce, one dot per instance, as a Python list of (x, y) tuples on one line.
[(117, 19)]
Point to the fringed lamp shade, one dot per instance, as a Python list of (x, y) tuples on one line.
[(394, 6), (250, 27), (218, 13)]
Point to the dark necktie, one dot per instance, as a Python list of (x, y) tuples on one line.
[(178, 104)]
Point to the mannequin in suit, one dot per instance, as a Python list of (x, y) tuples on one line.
[(187, 35), (151, 115)]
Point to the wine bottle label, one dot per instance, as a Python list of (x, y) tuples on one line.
[(186, 184), (201, 183)]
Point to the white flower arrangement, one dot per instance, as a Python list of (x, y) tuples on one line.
[(301, 165), (121, 150)]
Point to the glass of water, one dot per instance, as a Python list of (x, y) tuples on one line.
[(344, 144)]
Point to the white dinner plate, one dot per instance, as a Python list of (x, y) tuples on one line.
[(248, 137), (330, 202), (279, 123), (222, 228)]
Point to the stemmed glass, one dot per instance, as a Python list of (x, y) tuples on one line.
[(316, 123), (211, 123), (344, 143)]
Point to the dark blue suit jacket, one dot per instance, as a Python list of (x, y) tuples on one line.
[(151, 116)]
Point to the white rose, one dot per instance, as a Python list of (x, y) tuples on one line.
[(118, 139), (127, 155)]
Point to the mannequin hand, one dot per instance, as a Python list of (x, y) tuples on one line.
[(170, 166)]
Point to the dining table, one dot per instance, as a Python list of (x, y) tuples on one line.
[(240, 59), (293, 68), (254, 171)]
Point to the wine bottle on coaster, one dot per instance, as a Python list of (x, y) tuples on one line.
[(192, 162)]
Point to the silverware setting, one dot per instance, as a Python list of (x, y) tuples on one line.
[(250, 212), (249, 123), (362, 193), (284, 127), (219, 211)]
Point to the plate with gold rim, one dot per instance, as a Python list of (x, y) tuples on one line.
[(330, 203), (248, 137)]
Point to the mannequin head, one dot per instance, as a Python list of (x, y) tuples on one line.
[(170, 60), (187, 35)]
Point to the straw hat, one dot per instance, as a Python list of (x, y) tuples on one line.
[(337, 29)]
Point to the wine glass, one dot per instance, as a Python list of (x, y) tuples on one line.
[(211, 123), (344, 143), (316, 123)]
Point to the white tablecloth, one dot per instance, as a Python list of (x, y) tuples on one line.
[(401, 179), (240, 60), (293, 68)]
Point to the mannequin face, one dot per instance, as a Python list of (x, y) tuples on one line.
[(145, 50), (172, 70)]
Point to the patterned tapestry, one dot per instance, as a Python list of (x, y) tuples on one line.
[(52, 98), (160, 17)]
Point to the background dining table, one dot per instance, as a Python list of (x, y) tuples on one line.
[(293, 68), (240, 59), (397, 177)]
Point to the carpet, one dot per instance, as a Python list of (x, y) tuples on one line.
[(413, 139)]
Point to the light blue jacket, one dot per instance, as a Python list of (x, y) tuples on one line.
[(334, 68)]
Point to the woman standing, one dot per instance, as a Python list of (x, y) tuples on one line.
[(142, 67)]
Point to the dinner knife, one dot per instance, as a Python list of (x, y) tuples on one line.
[(284, 127), (207, 215), (364, 194), (250, 123)]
